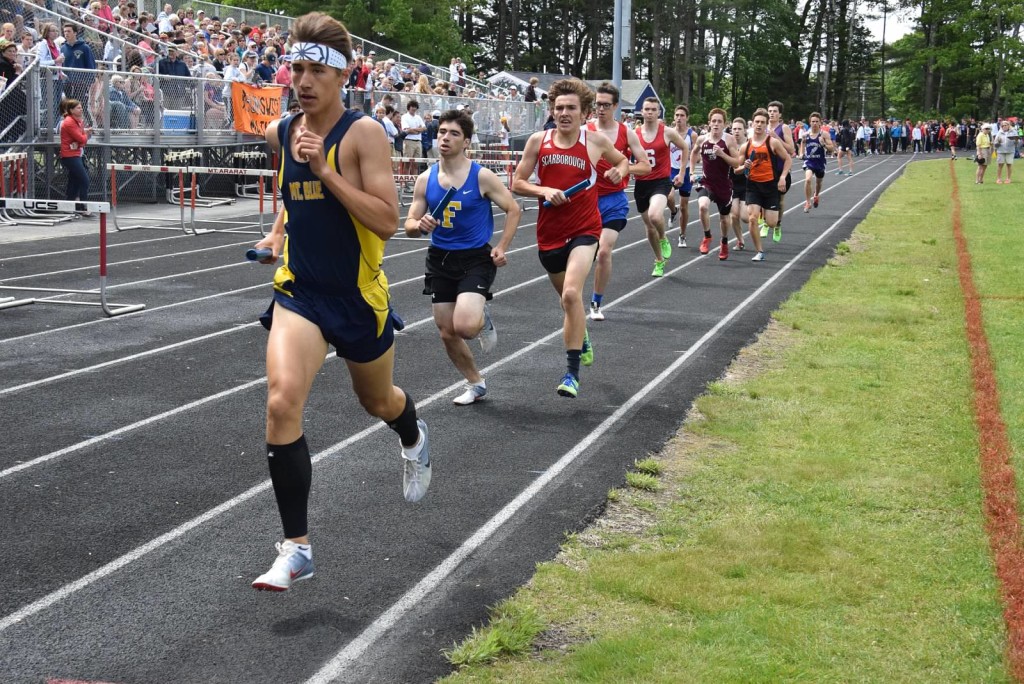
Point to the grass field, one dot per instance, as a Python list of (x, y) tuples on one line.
[(819, 518)]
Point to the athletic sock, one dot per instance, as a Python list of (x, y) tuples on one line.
[(725, 240), (405, 424), (707, 233), (291, 473), (597, 298), (305, 549), (572, 361)]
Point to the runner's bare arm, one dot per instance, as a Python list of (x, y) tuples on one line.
[(640, 166), (370, 195), (419, 221), (521, 184), (495, 190)]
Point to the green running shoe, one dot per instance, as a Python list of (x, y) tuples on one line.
[(570, 386), (763, 225), (659, 269), (777, 233), (587, 354), (666, 248)]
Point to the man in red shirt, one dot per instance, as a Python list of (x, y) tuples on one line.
[(569, 227)]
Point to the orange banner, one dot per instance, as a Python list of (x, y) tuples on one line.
[(253, 107)]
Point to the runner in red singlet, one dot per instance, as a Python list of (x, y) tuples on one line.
[(569, 229), (651, 193), (611, 197)]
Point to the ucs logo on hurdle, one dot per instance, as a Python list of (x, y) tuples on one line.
[(43, 205)]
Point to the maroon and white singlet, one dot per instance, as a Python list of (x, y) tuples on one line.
[(562, 169), (717, 172)]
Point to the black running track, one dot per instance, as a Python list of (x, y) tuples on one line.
[(135, 506)]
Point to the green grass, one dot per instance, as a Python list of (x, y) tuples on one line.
[(994, 226), (822, 521)]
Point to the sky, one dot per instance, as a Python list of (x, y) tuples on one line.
[(897, 25)]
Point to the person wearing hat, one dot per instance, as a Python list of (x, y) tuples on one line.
[(513, 94), (267, 67), (248, 66)]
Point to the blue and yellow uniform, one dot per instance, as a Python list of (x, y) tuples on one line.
[(332, 272), (459, 256)]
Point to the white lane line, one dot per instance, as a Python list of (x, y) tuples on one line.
[(123, 359), (377, 626), (355, 648), (158, 257), (128, 428)]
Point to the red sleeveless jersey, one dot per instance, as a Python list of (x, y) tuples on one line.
[(657, 153), (562, 169), (605, 186)]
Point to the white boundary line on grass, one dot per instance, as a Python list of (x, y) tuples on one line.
[(355, 648)]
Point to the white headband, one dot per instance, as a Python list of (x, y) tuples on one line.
[(315, 52)]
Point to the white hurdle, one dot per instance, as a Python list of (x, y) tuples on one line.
[(264, 190), (148, 220), (103, 208), (15, 186)]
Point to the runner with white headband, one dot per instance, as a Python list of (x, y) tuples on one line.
[(331, 289)]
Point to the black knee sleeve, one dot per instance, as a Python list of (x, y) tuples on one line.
[(291, 472)]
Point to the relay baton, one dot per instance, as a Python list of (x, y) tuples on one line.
[(259, 254), (582, 185), (438, 211)]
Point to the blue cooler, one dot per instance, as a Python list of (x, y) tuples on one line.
[(178, 122)]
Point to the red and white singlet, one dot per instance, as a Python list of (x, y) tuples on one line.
[(564, 168)]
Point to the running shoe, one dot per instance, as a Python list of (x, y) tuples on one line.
[(763, 225), (488, 335), (723, 251), (777, 233), (758, 257), (807, 206), (849, 173), (473, 394), (291, 565), (595, 312), (666, 248), (740, 246), (705, 245), (587, 353), (815, 203), (416, 471), (659, 269), (570, 386), (682, 242), (839, 172)]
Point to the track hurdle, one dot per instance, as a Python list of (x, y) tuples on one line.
[(134, 170), (14, 184), (264, 190), (103, 208), (193, 194), (251, 160)]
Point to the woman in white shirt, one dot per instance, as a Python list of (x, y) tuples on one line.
[(50, 58), (232, 73)]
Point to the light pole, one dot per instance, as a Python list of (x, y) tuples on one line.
[(885, 16)]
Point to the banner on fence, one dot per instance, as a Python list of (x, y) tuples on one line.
[(254, 107)]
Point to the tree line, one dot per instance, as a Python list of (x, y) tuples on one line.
[(964, 58)]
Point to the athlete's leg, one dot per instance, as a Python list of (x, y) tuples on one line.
[(295, 352), (656, 221), (603, 269), (753, 214), (456, 326), (808, 184), (569, 285), (739, 216)]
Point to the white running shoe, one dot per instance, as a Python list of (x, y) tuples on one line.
[(595, 312), (682, 242), (473, 394), (291, 565), (758, 257), (488, 335), (416, 471)]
